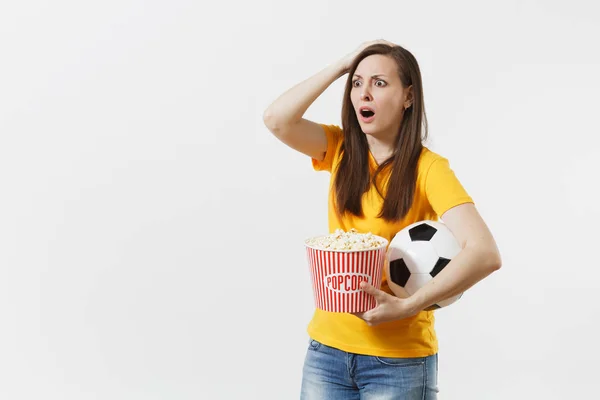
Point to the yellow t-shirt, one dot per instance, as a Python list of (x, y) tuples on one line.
[(437, 190)]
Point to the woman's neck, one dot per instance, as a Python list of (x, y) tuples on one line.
[(381, 147)]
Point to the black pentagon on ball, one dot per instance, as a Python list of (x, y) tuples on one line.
[(422, 232), (439, 266), (399, 272)]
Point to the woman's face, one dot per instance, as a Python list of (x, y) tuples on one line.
[(376, 85)]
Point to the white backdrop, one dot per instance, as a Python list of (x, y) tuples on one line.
[(151, 227)]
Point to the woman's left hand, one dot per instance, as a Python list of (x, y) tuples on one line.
[(388, 308)]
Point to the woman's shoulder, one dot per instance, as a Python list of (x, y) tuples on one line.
[(429, 160), (428, 157)]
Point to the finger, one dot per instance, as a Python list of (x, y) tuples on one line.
[(365, 316), (372, 290)]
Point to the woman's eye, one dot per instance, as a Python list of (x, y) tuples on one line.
[(356, 83)]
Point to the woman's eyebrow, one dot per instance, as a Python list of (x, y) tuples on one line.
[(372, 76)]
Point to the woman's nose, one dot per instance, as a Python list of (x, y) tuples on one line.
[(364, 96)]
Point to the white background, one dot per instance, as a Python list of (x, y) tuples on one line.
[(151, 227)]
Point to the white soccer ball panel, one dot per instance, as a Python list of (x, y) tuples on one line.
[(444, 242), (395, 252), (416, 281), (399, 242), (420, 257)]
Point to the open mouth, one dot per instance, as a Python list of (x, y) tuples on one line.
[(367, 113)]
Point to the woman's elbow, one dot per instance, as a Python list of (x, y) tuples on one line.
[(493, 259)]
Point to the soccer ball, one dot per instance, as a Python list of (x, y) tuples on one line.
[(418, 253)]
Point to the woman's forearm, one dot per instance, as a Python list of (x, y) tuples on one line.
[(467, 268), (289, 108)]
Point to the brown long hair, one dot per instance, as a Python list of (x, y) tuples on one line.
[(353, 177)]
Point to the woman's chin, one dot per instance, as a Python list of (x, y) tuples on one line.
[(370, 130), (367, 128)]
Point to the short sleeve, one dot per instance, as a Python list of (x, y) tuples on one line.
[(442, 187), (334, 136)]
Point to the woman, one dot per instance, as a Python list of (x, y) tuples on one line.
[(382, 179)]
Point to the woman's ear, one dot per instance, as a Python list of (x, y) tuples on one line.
[(409, 97)]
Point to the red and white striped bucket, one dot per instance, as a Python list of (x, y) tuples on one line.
[(337, 274)]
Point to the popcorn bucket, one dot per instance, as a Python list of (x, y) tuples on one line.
[(336, 276)]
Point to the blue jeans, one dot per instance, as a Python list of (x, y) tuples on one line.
[(332, 374)]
